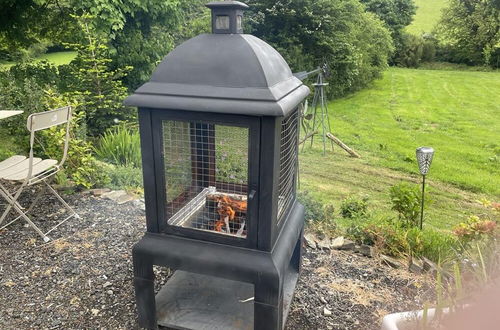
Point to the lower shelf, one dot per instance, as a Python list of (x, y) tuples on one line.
[(193, 301)]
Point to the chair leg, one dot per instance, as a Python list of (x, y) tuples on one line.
[(63, 202), (11, 200), (13, 204)]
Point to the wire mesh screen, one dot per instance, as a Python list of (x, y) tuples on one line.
[(206, 175), (288, 163)]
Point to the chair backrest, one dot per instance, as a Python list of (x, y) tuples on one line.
[(43, 120)]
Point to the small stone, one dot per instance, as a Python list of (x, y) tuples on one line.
[(348, 245), (428, 265), (310, 240), (415, 266), (324, 244), (110, 292), (94, 311), (125, 199), (99, 192), (105, 285), (338, 242), (115, 194), (323, 300), (326, 311), (390, 261), (365, 250)]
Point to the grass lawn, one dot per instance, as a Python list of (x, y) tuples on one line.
[(58, 58), (456, 112), (428, 14)]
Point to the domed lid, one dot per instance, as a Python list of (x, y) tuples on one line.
[(223, 72)]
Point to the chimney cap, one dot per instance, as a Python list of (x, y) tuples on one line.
[(227, 4)]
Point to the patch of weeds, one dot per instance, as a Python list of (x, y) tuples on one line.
[(432, 244), (354, 207), (321, 217)]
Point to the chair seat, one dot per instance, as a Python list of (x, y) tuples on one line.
[(11, 162), (16, 168)]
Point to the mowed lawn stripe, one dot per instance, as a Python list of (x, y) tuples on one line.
[(456, 112)]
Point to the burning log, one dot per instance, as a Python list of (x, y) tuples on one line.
[(227, 208)]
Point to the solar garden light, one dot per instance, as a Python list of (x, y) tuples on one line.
[(424, 159)]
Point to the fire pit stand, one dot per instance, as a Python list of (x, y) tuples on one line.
[(219, 140)]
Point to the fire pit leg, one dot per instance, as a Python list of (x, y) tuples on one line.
[(268, 304), (144, 291)]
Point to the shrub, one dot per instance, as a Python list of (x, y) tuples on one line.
[(42, 72), (405, 199), (26, 95), (124, 177), (432, 244), (474, 228), (120, 145), (315, 211), (386, 236), (353, 207)]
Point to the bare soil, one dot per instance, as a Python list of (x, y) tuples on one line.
[(83, 278)]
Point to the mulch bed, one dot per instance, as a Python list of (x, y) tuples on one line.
[(83, 278)]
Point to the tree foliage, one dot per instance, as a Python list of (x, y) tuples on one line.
[(100, 88), (24, 23), (471, 29), (396, 14), (140, 32), (354, 43)]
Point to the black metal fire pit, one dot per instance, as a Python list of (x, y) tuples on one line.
[(219, 136)]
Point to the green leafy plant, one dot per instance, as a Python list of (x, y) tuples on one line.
[(124, 177), (432, 244), (120, 145), (475, 228), (354, 207), (405, 199), (315, 211)]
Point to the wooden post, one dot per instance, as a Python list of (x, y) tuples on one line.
[(343, 145)]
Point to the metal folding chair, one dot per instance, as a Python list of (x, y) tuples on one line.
[(30, 171)]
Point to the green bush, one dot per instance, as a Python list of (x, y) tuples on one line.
[(42, 72), (432, 244), (120, 145), (315, 211), (354, 207), (405, 199), (386, 236), (26, 95), (124, 177), (391, 238)]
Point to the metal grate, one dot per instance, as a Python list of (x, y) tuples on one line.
[(288, 163), (206, 175)]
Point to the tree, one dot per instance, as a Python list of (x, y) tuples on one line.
[(27, 22), (471, 30), (354, 43), (99, 87), (396, 14), (140, 32)]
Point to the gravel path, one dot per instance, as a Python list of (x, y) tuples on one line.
[(83, 278)]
